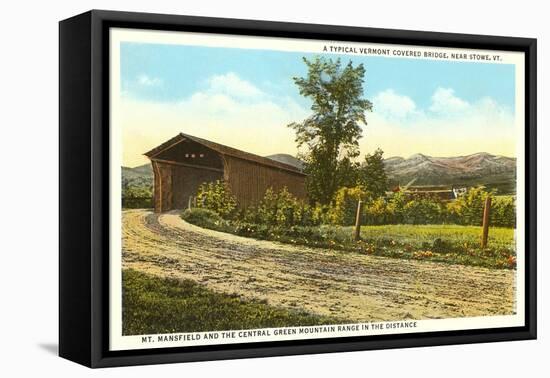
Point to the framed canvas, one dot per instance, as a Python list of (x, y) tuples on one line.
[(235, 188)]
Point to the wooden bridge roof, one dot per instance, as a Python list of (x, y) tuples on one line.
[(224, 150)]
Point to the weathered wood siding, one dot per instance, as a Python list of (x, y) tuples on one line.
[(156, 187), (181, 166), (163, 186), (249, 181)]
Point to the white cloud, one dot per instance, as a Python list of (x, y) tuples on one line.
[(235, 112), (392, 105), (148, 81), (448, 125), (447, 106), (444, 101), (230, 111), (232, 85)]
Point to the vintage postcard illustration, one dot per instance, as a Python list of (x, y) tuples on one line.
[(274, 189)]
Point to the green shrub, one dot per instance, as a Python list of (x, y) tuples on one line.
[(396, 207), (320, 214), (280, 209), (253, 230), (276, 208), (378, 211), (137, 203), (400, 209), (503, 211), (422, 211), (137, 197), (344, 205), (204, 218), (216, 196), (468, 209), (403, 209)]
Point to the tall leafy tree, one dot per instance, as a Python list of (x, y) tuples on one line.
[(372, 175), (330, 135)]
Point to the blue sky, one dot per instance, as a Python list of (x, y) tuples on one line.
[(411, 97), (183, 70)]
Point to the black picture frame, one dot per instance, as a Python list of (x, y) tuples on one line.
[(84, 187)]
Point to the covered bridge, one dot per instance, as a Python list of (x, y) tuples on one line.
[(184, 162)]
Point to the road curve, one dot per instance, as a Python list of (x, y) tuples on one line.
[(351, 286)]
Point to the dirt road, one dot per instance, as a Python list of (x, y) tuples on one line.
[(347, 285)]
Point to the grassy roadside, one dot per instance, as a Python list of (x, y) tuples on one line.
[(154, 305), (453, 244)]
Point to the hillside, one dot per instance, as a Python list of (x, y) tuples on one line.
[(494, 171), (141, 176), (481, 168)]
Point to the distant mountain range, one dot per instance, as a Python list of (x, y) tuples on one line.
[(477, 169), (482, 168), (493, 171)]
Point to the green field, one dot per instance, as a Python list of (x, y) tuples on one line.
[(153, 305), (447, 243), (454, 244), (443, 243), (499, 237)]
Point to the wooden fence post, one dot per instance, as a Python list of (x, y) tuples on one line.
[(357, 233), (486, 217), (189, 202)]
